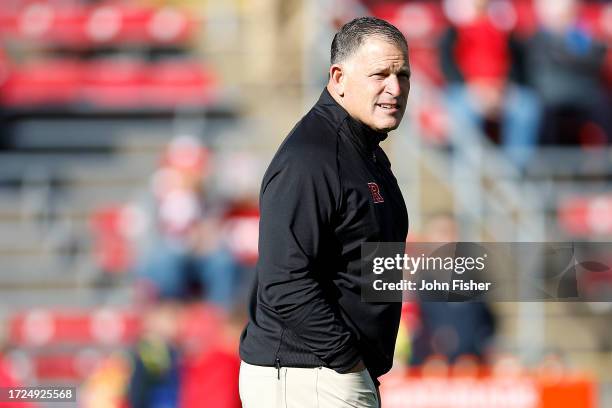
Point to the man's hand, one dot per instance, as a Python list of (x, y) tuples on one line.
[(357, 367)]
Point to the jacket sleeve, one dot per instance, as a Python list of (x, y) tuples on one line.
[(297, 203)]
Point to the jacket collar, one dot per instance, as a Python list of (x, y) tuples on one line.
[(365, 136)]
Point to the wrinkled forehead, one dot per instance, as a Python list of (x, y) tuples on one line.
[(381, 43), (381, 52)]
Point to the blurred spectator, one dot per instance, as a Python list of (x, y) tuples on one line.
[(155, 377), (238, 179), (481, 62), (565, 65), (453, 330), (449, 329), (210, 363), (112, 251), (183, 247)]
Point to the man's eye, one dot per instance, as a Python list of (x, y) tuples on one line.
[(379, 76)]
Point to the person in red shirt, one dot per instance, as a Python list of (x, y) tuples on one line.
[(481, 62), (210, 363)]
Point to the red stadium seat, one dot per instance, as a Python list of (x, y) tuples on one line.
[(109, 23), (42, 83), (36, 328), (176, 83), (114, 83), (109, 83), (53, 367)]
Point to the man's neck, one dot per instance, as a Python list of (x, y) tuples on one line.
[(339, 101)]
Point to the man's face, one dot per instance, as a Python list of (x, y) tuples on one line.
[(376, 83)]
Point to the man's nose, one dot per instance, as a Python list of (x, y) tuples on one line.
[(392, 86)]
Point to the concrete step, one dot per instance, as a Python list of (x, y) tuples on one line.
[(60, 169), (81, 200), (44, 269), (19, 235), (59, 133), (16, 299)]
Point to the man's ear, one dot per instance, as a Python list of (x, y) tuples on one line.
[(336, 78)]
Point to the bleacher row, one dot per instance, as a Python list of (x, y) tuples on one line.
[(83, 56), (66, 345), (82, 26), (109, 84)]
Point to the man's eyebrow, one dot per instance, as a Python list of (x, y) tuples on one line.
[(405, 70), (387, 69)]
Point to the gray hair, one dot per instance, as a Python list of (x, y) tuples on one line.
[(354, 33)]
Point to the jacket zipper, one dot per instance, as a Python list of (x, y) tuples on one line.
[(277, 362)]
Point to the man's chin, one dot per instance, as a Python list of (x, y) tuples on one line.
[(387, 126)]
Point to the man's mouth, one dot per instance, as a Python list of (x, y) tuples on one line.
[(388, 106)]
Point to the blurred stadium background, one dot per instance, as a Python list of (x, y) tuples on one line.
[(133, 137)]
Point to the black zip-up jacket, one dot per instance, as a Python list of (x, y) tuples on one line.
[(328, 189)]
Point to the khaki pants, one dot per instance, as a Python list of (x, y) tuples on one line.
[(318, 387)]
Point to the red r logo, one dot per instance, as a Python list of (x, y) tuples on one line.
[(375, 191)]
